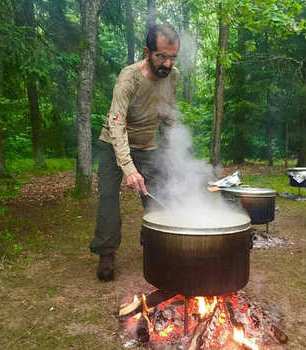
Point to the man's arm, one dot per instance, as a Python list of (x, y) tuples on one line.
[(122, 94)]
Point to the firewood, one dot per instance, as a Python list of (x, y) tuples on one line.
[(231, 314), (196, 341), (142, 330), (127, 309), (152, 299), (278, 334), (198, 335)]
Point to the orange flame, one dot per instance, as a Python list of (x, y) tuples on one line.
[(205, 306), (144, 304), (165, 332), (240, 338)]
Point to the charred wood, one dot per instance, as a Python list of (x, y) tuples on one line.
[(278, 334), (152, 299), (231, 314), (143, 330), (203, 331)]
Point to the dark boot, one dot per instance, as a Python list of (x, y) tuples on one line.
[(105, 269)]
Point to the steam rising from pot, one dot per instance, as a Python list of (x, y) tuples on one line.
[(182, 183)]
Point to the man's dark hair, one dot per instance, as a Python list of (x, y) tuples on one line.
[(165, 30)]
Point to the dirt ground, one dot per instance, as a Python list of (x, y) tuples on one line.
[(51, 299)]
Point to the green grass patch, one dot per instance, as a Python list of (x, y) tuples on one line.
[(279, 183), (9, 188), (27, 166), (10, 248)]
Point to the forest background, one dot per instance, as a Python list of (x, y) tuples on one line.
[(242, 89)]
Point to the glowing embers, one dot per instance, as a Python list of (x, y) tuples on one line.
[(240, 338), (229, 322)]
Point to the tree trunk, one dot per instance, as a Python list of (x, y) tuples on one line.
[(151, 18), (219, 93), (33, 99), (3, 171), (130, 33), (89, 24), (25, 17), (187, 87), (36, 122), (286, 144), (59, 137), (301, 162), (269, 129), (270, 144)]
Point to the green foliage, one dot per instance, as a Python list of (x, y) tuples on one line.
[(264, 87), (9, 188), (199, 120), (10, 248)]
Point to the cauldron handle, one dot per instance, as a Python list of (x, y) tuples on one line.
[(251, 243)]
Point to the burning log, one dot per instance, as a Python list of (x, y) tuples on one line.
[(275, 333), (231, 314), (143, 330), (196, 341), (202, 330), (231, 322), (152, 299)]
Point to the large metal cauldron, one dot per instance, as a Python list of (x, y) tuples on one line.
[(292, 173), (258, 202), (209, 260)]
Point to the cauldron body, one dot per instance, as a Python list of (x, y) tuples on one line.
[(196, 262), (258, 202)]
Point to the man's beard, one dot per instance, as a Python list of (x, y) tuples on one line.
[(159, 71)]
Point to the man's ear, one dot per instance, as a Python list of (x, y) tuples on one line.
[(146, 52)]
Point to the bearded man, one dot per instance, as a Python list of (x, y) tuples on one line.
[(143, 99)]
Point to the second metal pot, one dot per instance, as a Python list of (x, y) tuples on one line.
[(258, 202)]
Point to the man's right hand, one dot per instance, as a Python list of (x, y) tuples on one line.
[(136, 182)]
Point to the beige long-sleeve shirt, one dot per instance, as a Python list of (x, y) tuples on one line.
[(138, 107)]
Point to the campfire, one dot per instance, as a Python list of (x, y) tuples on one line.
[(165, 321)]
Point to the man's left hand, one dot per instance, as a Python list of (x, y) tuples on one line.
[(136, 182)]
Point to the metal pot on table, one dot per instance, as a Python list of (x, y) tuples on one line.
[(297, 177)]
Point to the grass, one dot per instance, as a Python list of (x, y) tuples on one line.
[(60, 304), (11, 245), (279, 183), (27, 166), (22, 169)]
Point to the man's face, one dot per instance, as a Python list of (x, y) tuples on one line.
[(162, 60)]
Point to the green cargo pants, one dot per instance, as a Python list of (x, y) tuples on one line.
[(107, 236)]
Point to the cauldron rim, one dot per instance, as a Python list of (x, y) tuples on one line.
[(244, 225), (296, 169), (250, 191)]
